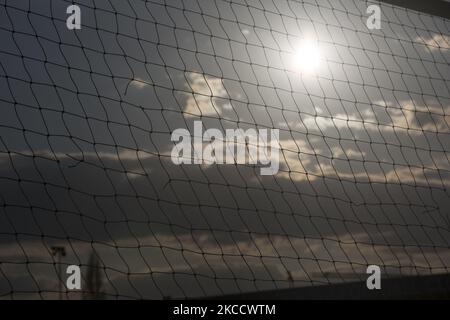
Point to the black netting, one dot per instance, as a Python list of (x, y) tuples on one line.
[(85, 146)]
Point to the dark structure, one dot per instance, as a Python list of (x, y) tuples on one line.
[(435, 7), (414, 287)]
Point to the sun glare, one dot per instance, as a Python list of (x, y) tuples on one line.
[(307, 57)]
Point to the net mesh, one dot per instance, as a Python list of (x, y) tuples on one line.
[(85, 146)]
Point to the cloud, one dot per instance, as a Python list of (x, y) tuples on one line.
[(436, 42), (408, 116), (139, 83), (208, 96)]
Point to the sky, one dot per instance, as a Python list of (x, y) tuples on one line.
[(85, 144)]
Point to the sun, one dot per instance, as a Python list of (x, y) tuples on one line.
[(307, 57)]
